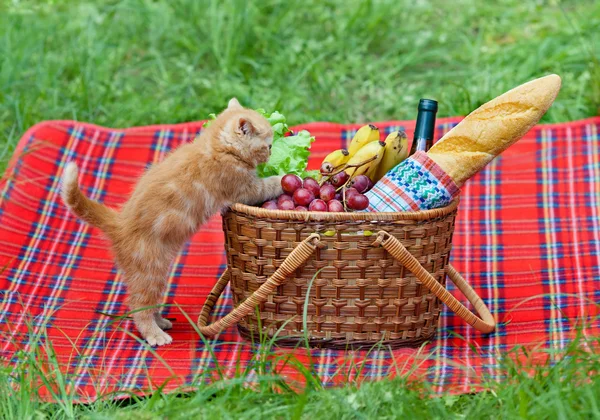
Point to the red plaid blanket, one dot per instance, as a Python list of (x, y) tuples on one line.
[(527, 238)]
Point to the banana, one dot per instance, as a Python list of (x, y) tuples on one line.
[(396, 150), (363, 136), (334, 159), (373, 150)]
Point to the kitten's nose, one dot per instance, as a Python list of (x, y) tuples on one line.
[(270, 145)]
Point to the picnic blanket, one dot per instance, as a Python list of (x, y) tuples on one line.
[(527, 238)]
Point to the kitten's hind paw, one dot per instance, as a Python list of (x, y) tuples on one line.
[(163, 323), (158, 338)]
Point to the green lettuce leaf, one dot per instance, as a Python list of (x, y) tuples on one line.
[(313, 174), (210, 119), (289, 155)]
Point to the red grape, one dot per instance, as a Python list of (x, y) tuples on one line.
[(327, 192), (339, 179), (301, 208), (284, 197), (291, 183), (360, 182), (370, 185), (326, 168), (271, 205), (350, 191), (358, 201), (286, 205), (318, 205), (338, 196), (303, 197), (312, 185), (335, 206)]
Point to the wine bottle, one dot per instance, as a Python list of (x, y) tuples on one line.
[(425, 127)]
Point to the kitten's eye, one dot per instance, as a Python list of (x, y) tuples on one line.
[(270, 145)]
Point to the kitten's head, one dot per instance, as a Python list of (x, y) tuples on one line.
[(243, 133)]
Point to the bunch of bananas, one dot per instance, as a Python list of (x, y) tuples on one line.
[(367, 154)]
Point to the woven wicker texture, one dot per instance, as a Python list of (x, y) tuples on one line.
[(360, 295)]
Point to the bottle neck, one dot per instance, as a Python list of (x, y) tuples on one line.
[(425, 126), (424, 131), (421, 144)]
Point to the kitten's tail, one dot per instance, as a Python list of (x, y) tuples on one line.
[(92, 212)]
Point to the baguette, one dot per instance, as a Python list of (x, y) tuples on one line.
[(493, 127)]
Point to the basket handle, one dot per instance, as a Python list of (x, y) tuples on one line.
[(485, 324), (294, 260)]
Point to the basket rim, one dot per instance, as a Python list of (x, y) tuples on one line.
[(307, 216)]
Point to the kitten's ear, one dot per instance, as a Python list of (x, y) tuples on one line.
[(234, 104), (244, 127)]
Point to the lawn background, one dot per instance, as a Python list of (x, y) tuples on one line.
[(135, 62)]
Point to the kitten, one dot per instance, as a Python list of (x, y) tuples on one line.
[(172, 200)]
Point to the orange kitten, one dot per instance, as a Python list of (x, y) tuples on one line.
[(173, 199)]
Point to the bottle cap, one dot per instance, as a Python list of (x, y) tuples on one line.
[(425, 125), (428, 105)]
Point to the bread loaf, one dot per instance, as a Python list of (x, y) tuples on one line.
[(493, 127)]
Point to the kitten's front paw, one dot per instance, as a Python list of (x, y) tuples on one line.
[(276, 189), (158, 338)]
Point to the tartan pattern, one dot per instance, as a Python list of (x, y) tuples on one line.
[(527, 238), (417, 183)]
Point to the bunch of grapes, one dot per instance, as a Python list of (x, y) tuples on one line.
[(334, 195)]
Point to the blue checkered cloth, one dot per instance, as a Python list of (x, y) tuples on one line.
[(417, 183)]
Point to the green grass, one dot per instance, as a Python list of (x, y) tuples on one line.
[(567, 388), (135, 62)]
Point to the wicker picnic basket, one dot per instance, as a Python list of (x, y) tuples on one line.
[(370, 277)]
